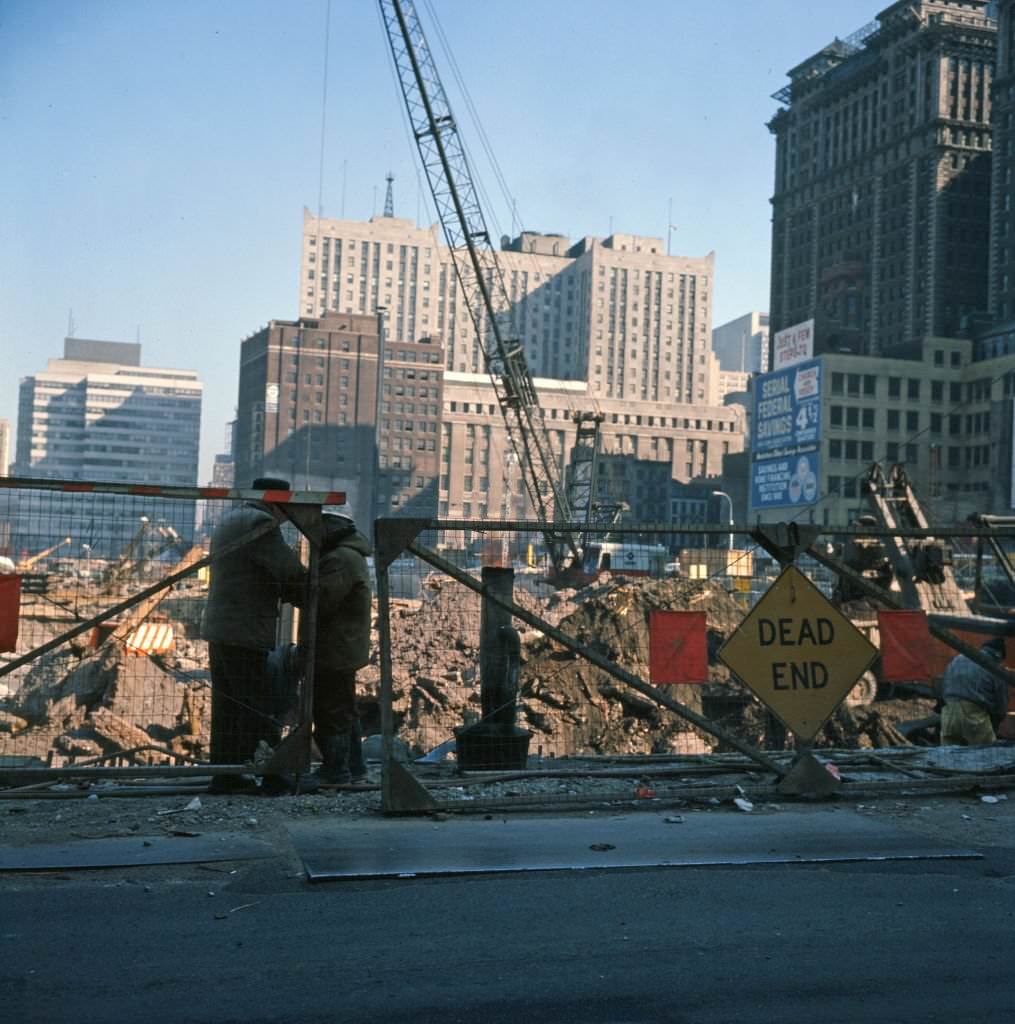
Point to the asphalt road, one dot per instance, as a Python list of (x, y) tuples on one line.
[(930, 941)]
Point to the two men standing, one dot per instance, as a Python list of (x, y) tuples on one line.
[(254, 571)]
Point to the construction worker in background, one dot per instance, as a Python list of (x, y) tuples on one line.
[(240, 625), (342, 645), (975, 701)]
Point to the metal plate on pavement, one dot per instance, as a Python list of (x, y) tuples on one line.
[(413, 847)]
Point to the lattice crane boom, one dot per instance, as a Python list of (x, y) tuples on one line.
[(478, 271)]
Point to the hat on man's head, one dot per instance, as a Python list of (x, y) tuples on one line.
[(995, 645), (337, 516), (270, 483)]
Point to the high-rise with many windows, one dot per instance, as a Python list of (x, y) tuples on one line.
[(97, 414), (616, 312), (880, 212)]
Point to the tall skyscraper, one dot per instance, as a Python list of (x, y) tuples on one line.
[(1002, 226), (882, 180), (97, 414), (5, 446), (617, 312)]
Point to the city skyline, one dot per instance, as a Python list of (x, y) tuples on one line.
[(137, 195)]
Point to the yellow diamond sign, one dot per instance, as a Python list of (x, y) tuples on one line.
[(798, 653)]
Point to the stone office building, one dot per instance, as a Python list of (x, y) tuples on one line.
[(882, 180)]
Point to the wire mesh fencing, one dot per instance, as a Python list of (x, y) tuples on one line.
[(119, 606), (574, 710)]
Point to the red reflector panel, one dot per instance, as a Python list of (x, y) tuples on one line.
[(678, 651), (907, 651), (10, 609)]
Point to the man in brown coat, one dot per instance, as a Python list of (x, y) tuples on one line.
[(240, 625), (343, 643)]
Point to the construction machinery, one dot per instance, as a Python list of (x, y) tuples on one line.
[(920, 570), (480, 276), (126, 560), (27, 563)]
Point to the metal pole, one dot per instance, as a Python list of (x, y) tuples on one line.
[(308, 637), (375, 489), (384, 638), (723, 494)]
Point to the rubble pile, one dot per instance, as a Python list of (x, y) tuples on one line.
[(571, 705), (79, 702), (83, 703)]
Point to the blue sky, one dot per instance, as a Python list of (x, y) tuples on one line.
[(158, 155)]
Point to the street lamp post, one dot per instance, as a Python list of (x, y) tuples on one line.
[(723, 494)]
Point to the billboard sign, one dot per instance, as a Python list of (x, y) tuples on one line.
[(786, 437), (793, 345)]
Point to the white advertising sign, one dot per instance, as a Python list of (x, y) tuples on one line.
[(271, 398), (793, 345)]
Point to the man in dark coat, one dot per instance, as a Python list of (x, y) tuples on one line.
[(240, 625), (342, 645)]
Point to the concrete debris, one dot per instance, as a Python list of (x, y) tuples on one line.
[(78, 703), (82, 703)]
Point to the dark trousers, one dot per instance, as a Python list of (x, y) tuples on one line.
[(240, 697), (334, 702)]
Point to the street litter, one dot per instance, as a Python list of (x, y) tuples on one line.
[(743, 805), (602, 847), (674, 819)]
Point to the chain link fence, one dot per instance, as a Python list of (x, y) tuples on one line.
[(103, 595), (565, 709)]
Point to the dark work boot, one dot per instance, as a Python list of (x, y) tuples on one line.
[(357, 766), (335, 758)]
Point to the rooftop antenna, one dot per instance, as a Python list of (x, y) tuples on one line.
[(324, 118), (71, 326), (389, 196)]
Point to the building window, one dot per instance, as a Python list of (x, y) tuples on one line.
[(893, 419), (837, 383), (867, 419), (894, 387), (912, 421), (913, 389), (835, 416)]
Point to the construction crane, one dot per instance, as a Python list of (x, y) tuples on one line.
[(26, 563), (128, 557), (481, 279)]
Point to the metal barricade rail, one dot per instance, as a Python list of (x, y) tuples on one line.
[(579, 702)]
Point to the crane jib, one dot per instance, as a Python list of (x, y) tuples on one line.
[(480, 275)]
